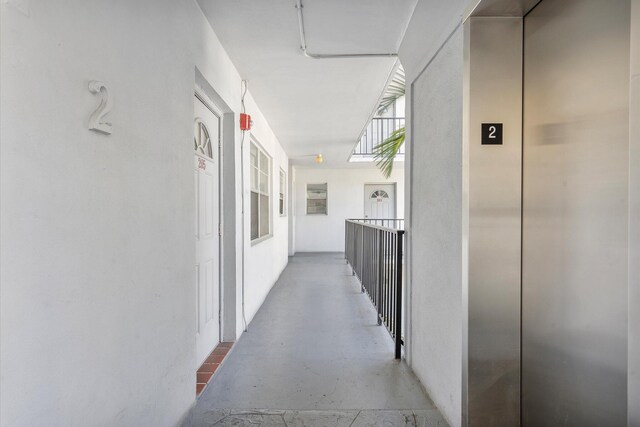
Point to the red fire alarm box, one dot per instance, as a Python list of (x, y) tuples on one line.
[(245, 121)]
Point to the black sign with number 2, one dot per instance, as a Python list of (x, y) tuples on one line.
[(492, 134)]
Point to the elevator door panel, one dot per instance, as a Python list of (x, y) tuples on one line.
[(575, 201)]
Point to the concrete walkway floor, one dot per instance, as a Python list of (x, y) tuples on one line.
[(314, 356)]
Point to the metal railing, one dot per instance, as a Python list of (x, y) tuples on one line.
[(395, 223), (377, 131), (375, 255)]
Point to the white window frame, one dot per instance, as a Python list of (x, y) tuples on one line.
[(257, 169), (282, 195), (326, 198)]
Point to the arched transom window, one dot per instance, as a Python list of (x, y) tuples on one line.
[(201, 138), (379, 194)]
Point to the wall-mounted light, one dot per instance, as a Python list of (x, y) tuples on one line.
[(319, 158)]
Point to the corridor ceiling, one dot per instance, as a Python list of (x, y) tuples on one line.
[(312, 105)]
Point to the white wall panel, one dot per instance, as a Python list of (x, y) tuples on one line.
[(345, 192), (435, 229), (97, 236)]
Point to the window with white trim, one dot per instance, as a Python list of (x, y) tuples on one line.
[(283, 192), (260, 192)]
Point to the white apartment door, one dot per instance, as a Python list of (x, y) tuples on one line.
[(380, 201), (207, 131)]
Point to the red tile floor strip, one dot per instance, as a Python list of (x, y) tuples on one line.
[(210, 365)]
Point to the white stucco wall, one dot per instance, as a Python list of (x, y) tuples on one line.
[(430, 26), (432, 56), (325, 233), (436, 230), (97, 246), (266, 259)]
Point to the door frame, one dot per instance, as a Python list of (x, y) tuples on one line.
[(365, 196), (211, 106)]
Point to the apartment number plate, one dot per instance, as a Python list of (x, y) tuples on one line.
[(492, 134)]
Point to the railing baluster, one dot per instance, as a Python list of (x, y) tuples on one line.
[(378, 276), (388, 287), (374, 252), (385, 302), (362, 254), (379, 129), (399, 266), (394, 284)]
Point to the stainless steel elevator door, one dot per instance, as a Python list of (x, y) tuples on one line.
[(575, 200)]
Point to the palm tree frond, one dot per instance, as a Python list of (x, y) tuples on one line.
[(387, 150), (395, 90)]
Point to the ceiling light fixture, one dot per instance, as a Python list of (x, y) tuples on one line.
[(303, 44), (318, 158)]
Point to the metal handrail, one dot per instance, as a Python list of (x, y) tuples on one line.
[(375, 254), (379, 129), (395, 223)]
